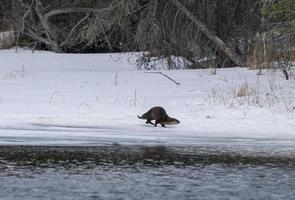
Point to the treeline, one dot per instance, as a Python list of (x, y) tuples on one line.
[(204, 33)]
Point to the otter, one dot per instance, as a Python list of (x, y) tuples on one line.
[(159, 114)]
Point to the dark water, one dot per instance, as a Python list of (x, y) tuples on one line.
[(156, 172), (166, 182)]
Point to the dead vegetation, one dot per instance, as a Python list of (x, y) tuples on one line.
[(256, 94), (270, 52)]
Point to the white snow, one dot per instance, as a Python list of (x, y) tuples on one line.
[(76, 99)]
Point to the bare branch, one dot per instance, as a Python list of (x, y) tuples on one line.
[(177, 83), (51, 13), (213, 38), (38, 38), (73, 29)]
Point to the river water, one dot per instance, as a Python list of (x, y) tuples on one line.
[(122, 172), (166, 182)]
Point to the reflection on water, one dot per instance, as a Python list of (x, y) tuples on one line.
[(213, 181)]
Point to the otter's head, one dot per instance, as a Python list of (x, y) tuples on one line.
[(172, 121)]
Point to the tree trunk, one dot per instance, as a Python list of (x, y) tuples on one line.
[(220, 45)]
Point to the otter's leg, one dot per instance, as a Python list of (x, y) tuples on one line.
[(157, 122), (163, 125), (149, 122)]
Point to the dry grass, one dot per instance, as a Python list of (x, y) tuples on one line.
[(266, 54), (243, 91), (253, 94), (262, 56)]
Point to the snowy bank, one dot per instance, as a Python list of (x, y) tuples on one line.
[(48, 98)]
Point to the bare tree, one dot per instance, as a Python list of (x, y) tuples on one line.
[(274, 45), (189, 30), (54, 24), (221, 46), (205, 33), (63, 26)]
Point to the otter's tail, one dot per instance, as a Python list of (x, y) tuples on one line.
[(139, 117)]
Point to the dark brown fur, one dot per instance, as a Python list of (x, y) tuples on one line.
[(160, 116)]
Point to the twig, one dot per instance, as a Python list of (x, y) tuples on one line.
[(116, 82), (55, 94), (135, 98), (165, 76), (85, 105), (73, 29)]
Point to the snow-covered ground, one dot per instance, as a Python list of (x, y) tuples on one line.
[(48, 98)]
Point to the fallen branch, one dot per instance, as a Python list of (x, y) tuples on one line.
[(165, 76), (221, 46)]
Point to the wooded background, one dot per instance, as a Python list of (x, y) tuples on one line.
[(204, 33)]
